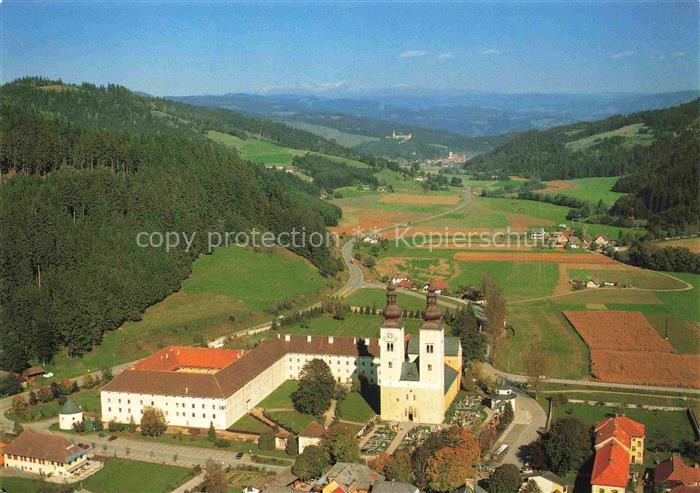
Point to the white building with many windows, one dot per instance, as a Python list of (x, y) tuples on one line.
[(195, 387)]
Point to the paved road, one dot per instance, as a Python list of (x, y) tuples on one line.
[(529, 421), (164, 453), (592, 383)]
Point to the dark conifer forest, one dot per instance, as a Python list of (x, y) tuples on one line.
[(84, 169)]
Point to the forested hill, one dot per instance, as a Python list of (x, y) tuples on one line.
[(123, 110), (657, 152), (84, 170), (609, 147)]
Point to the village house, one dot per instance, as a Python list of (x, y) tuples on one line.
[(619, 442), (674, 475), (311, 435), (347, 477), (503, 395), (474, 295), (438, 285), (548, 482), (45, 455), (31, 374), (406, 284), (371, 239), (601, 242), (538, 234)]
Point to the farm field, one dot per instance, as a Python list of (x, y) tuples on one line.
[(120, 475), (226, 291), (518, 280), (342, 138), (617, 331), (257, 150), (546, 328), (635, 277), (587, 189), (634, 134), (692, 244)]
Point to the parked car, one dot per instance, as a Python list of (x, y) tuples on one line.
[(239, 455), (112, 438), (48, 375)]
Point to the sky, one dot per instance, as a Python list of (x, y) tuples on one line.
[(186, 48)]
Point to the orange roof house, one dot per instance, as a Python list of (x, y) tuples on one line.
[(611, 466), (674, 473), (619, 441)]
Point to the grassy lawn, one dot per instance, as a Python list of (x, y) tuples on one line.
[(692, 244), (543, 325), (377, 298), (354, 408), (250, 424), (119, 475), (294, 420), (592, 190), (21, 485), (257, 150), (625, 398), (342, 138), (281, 398), (518, 280), (226, 291), (354, 325), (89, 400)]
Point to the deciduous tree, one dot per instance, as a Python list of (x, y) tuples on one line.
[(311, 463), (316, 386), (567, 445), (505, 479), (153, 422)]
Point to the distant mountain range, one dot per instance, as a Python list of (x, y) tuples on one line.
[(466, 113)]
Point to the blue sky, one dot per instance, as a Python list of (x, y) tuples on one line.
[(179, 48)]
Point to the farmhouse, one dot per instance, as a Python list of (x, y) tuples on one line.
[(438, 285), (619, 441), (537, 234), (43, 454), (198, 387), (673, 473)]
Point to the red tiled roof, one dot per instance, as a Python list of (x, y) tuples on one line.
[(313, 430), (621, 428), (677, 471), (686, 489), (611, 466), (406, 283), (439, 284), (42, 446), (241, 371), (174, 357)]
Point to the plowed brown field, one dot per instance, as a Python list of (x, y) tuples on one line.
[(558, 258), (405, 198), (643, 368), (617, 330), (625, 348)]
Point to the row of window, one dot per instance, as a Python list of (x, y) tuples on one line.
[(177, 404), (184, 414)]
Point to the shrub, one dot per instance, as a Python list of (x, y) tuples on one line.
[(222, 443), (266, 441)]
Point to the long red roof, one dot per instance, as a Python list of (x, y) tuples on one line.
[(611, 466), (140, 379)]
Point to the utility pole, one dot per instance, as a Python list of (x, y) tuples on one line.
[(666, 334)]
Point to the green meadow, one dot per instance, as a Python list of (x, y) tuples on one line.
[(119, 475), (593, 189), (226, 291), (518, 280)]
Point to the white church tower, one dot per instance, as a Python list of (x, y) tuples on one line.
[(391, 340), (431, 356)]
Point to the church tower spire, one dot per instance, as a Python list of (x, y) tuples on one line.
[(432, 319), (391, 339)]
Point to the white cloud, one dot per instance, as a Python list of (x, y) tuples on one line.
[(491, 51), (678, 54), (445, 56), (622, 54), (413, 54)]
